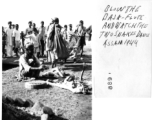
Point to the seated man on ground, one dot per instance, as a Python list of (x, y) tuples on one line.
[(30, 66)]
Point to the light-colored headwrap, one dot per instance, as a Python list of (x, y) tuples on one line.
[(28, 45)]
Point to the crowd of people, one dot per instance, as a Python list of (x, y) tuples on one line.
[(56, 41)]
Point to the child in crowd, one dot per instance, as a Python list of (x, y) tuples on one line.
[(42, 37), (34, 38)]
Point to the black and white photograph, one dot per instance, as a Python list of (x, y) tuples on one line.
[(46, 60), (76, 59)]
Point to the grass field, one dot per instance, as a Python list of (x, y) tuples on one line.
[(73, 106)]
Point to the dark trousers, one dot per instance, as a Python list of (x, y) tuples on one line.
[(81, 43), (42, 47), (13, 38), (3, 47), (90, 36), (16, 50)]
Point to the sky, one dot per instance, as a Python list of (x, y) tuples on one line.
[(68, 12)]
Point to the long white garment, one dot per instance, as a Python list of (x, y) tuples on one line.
[(47, 33), (9, 42)]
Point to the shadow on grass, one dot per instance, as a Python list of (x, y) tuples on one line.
[(57, 118), (8, 66), (86, 59), (77, 68)]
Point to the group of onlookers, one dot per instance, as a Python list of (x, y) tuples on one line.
[(14, 40), (52, 42)]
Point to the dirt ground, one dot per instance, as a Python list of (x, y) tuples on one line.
[(73, 106)]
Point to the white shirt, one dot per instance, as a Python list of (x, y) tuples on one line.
[(81, 31), (64, 34), (42, 31), (70, 33), (24, 63), (14, 32), (27, 40), (17, 35), (9, 33), (34, 39)]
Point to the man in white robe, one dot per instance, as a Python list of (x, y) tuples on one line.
[(9, 40)]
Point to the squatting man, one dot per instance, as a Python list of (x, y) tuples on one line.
[(30, 66)]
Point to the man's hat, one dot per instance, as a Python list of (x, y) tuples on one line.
[(81, 21), (10, 22), (28, 45), (30, 22), (65, 26), (56, 19), (70, 25)]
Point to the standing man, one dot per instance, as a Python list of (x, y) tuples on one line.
[(3, 42), (64, 33), (81, 36), (34, 27), (71, 37), (29, 28), (22, 41), (17, 40), (89, 31), (58, 49), (34, 38), (13, 36), (9, 41), (42, 38), (70, 32), (47, 45)]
